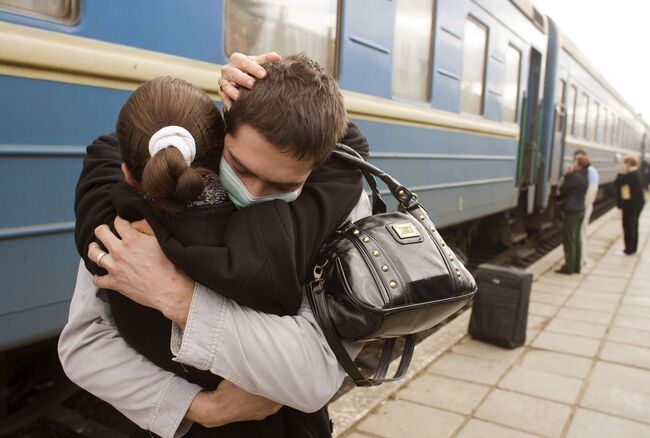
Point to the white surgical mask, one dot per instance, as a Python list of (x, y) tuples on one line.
[(239, 194)]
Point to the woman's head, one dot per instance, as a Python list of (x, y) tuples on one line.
[(160, 126), (630, 161)]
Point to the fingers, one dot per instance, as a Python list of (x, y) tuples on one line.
[(102, 281), (247, 64), (106, 236), (270, 56), (143, 227), (94, 251)]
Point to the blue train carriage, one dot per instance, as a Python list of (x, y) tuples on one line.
[(441, 88), (588, 114)]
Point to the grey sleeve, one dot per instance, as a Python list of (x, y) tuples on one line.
[(96, 357), (286, 359)]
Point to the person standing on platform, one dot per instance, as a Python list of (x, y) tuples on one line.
[(593, 179), (572, 194), (630, 199)]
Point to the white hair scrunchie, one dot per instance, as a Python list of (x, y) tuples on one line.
[(175, 136)]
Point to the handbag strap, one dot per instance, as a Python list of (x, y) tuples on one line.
[(319, 305), (403, 195)]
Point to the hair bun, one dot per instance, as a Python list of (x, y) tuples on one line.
[(170, 182)]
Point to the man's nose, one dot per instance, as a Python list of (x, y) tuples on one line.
[(256, 187)]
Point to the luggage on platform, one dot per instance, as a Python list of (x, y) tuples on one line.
[(500, 309)]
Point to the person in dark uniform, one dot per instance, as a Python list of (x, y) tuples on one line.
[(572, 194), (630, 200)]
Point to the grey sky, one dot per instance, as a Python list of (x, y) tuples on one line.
[(615, 37)]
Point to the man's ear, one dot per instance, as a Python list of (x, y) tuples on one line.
[(128, 176)]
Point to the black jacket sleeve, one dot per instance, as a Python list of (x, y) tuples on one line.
[(267, 248), (93, 206)]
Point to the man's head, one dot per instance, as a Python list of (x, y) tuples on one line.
[(282, 127), (581, 159), (630, 161)]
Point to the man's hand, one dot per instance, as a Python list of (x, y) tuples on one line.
[(242, 70), (229, 404), (138, 269)]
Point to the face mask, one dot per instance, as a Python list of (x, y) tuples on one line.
[(239, 194)]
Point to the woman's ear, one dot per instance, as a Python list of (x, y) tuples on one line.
[(128, 176)]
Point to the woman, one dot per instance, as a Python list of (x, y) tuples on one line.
[(630, 199)]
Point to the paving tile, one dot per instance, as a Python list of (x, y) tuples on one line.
[(594, 316), (595, 285), (635, 379), (469, 368), (639, 288), (536, 321), (442, 392), (626, 354), (632, 310), (588, 303), (559, 280), (590, 424), (557, 363), (523, 412), (357, 435), (566, 344), (472, 347), (579, 328), (399, 418), (542, 309), (637, 301), (546, 298), (550, 289), (622, 402), (482, 429), (632, 322), (597, 295), (629, 336), (542, 384)]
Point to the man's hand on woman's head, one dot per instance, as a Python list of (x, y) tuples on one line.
[(138, 269), (229, 404), (242, 70)]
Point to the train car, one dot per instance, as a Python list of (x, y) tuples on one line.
[(449, 93), (588, 114)]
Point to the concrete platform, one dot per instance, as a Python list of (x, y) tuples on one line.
[(584, 371)]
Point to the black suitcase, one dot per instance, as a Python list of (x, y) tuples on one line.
[(500, 308)]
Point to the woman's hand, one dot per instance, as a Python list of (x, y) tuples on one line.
[(138, 269), (229, 404), (242, 70)]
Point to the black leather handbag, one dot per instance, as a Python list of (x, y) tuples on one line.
[(386, 276)]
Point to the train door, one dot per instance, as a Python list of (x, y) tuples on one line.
[(559, 131), (527, 160)]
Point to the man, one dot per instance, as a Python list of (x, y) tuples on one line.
[(213, 333), (593, 179), (572, 193)]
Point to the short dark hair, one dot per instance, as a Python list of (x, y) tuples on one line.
[(579, 152), (297, 107), (165, 177)]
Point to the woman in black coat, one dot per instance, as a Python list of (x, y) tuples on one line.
[(630, 199)]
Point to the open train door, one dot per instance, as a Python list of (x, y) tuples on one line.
[(527, 157)]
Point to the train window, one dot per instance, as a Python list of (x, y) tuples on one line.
[(581, 116), (511, 86), (474, 53), (602, 136), (412, 49), (572, 101), (594, 114), (286, 26), (65, 11)]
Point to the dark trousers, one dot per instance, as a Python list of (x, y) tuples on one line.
[(631, 229), (571, 241)]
